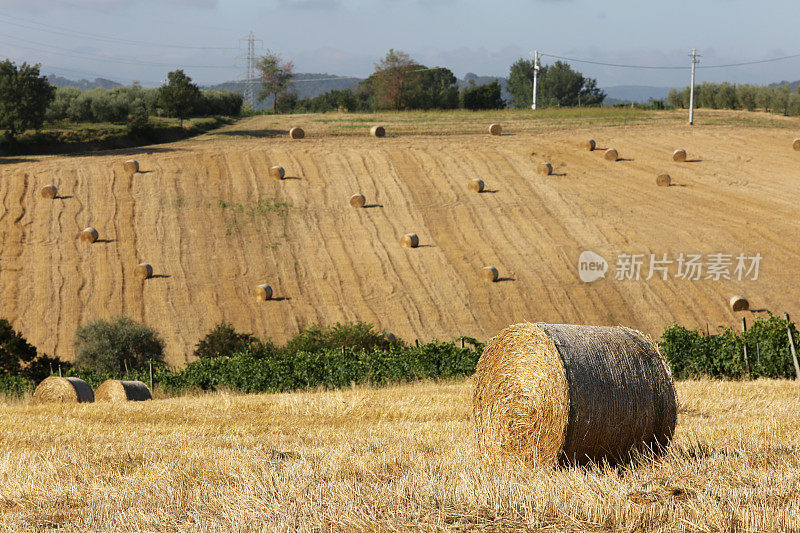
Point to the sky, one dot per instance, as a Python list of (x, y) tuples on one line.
[(141, 40)]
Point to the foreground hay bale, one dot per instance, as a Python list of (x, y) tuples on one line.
[(796, 144), (49, 191), (739, 303), (495, 129), (490, 274), (377, 131), (679, 156), (663, 180), (476, 185), (277, 173), (56, 389), (545, 169), (590, 145), (358, 200), (114, 390), (297, 133), (89, 235), (262, 292), (131, 166), (574, 394), (611, 155), (409, 240), (144, 271)]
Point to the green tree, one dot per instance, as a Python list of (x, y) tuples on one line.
[(116, 344), (15, 352), (179, 97), (394, 77), (487, 96), (24, 97), (275, 77), (223, 340), (520, 83), (558, 85)]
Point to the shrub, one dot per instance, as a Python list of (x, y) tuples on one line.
[(223, 340), (488, 96), (117, 345), (359, 336)]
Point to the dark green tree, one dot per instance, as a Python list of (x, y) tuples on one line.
[(179, 97), (223, 340), (487, 96), (15, 352), (116, 344), (520, 83), (558, 85), (24, 97)]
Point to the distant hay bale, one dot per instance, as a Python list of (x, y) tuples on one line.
[(144, 271), (796, 144), (114, 390), (277, 173), (545, 169), (548, 393), (679, 156), (663, 180), (263, 292), (739, 303), (297, 133), (49, 191), (358, 200), (495, 129), (377, 131), (490, 273), (476, 185), (131, 166), (89, 235), (611, 154), (56, 389), (590, 145), (409, 240)]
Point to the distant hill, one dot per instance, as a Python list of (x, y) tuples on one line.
[(793, 85), (619, 94), (58, 81)]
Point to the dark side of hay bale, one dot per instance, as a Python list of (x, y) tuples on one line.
[(476, 185), (131, 166), (739, 303), (590, 145), (277, 173), (409, 240), (49, 191), (495, 129), (663, 180), (796, 144), (490, 274), (571, 394), (89, 235), (144, 271), (114, 390), (545, 169), (56, 389), (358, 200), (377, 131), (297, 133), (679, 156), (611, 155), (262, 292)]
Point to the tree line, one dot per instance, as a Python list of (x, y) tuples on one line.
[(776, 99)]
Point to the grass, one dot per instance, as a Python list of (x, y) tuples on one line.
[(399, 458)]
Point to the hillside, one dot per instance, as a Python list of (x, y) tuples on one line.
[(206, 215)]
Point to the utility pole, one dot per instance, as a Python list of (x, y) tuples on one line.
[(694, 56), (535, 76), (250, 77)]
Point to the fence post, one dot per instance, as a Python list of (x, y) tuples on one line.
[(59, 370), (791, 345), (416, 341), (51, 369), (151, 374), (744, 346)]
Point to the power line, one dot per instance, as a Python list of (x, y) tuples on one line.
[(654, 67)]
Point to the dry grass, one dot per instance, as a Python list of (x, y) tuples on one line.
[(392, 459)]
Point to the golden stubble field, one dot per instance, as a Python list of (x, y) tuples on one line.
[(390, 459)]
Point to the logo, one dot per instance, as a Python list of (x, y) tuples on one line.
[(591, 267)]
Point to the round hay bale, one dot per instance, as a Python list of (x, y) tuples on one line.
[(144, 271), (679, 156), (495, 129), (545, 169), (663, 180), (131, 165), (56, 389), (297, 133), (611, 154), (391, 337), (358, 200), (739, 303), (114, 390), (262, 292), (377, 131), (409, 240), (476, 185), (89, 235), (277, 173), (490, 274), (49, 191), (796, 144), (573, 394), (590, 145)]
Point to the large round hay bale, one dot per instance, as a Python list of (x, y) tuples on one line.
[(476, 185), (49, 191), (589, 144), (114, 390), (739, 303), (495, 129), (490, 274), (89, 235), (56, 389), (131, 165), (277, 173), (611, 154), (545, 169), (297, 133), (679, 156), (573, 394), (796, 144), (377, 131), (358, 200), (409, 240), (663, 180), (262, 292), (144, 271)]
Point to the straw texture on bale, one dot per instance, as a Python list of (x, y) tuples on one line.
[(663, 180), (410, 240), (476, 185), (490, 273), (679, 156), (496, 129), (49, 191), (131, 166), (590, 145), (545, 169), (144, 271), (739, 303), (611, 154), (63, 390), (796, 144), (114, 390), (277, 173), (572, 394), (377, 131), (358, 200), (263, 293), (89, 235), (297, 133)]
